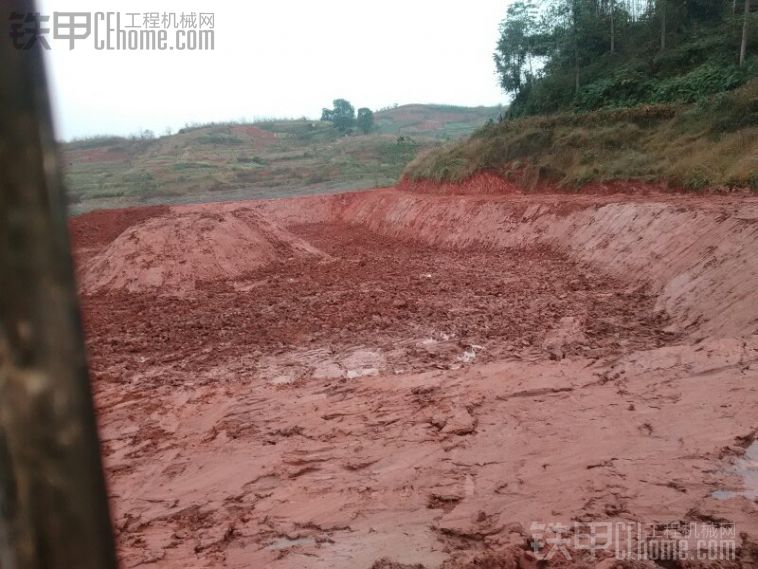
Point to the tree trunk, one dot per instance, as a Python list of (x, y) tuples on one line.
[(613, 27), (662, 8), (743, 47)]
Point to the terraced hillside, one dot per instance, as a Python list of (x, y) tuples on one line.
[(276, 158)]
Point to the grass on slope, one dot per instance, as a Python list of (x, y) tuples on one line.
[(266, 159), (443, 122), (708, 144)]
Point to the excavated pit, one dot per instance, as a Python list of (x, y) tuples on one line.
[(393, 377)]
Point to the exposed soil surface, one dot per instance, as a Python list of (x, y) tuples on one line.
[(395, 380), (406, 307)]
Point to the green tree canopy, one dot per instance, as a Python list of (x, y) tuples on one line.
[(342, 115), (365, 120), (557, 55), (515, 47)]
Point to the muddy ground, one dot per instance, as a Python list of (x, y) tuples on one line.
[(391, 379)]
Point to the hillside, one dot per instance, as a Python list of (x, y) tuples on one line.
[(713, 143), (442, 122), (276, 158)]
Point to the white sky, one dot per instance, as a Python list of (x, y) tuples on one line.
[(277, 58)]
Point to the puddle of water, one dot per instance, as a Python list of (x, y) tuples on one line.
[(284, 543), (747, 468)]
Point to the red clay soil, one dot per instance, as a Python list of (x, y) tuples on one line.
[(418, 307), (97, 229), (257, 137), (443, 376)]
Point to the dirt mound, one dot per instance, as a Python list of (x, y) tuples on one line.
[(173, 254)]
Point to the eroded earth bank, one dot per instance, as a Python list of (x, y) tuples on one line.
[(395, 378)]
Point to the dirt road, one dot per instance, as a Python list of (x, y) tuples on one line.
[(397, 377)]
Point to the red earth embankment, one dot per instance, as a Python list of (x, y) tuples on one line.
[(421, 378)]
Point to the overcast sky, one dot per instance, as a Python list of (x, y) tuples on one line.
[(277, 58)]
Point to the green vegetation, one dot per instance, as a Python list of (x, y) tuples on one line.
[(582, 55), (278, 157), (365, 120), (442, 122), (710, 143), (342, 116), (650, 90)]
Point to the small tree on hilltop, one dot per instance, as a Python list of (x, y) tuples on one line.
[(342, 115), (365, 120)]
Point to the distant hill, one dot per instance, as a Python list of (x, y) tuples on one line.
[(443, 122), (265, 159)]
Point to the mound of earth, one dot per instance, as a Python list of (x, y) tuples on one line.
[(172, 254)]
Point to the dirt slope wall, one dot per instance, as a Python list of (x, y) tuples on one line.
[(701, 255)]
